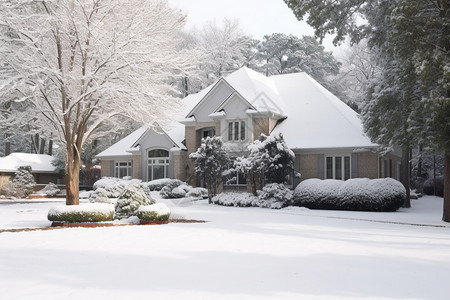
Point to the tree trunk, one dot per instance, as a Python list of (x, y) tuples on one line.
[(50, 147), (404, 178), (446, 215), (42, 147), (72, 177)]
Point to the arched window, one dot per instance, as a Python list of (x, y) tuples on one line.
[(157, 164)]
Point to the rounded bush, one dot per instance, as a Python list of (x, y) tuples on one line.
[(94, 212), (50, 189), (274, 195), (154, 212), (364, 194), (130, 200), (167, 192), (197, 192)]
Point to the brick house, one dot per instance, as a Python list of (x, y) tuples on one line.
[(324, 133)]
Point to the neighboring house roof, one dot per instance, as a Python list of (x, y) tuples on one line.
[(40, 163)]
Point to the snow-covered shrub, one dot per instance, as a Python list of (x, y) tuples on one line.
[(93, 212), (167, 191), (197, 192), (154, 212), (274, 195), (178, 192), (130, 200), (235, 199), (428, 186), (385, 194), (101, 195), (105, 182), (50, 189), (23, 183), (157, 184)]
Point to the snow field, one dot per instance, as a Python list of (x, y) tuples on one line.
[(240, 253)]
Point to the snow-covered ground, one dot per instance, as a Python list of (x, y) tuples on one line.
[(240, 253)]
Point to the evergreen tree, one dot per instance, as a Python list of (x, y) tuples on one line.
[(24, 180), (211, 161), (412, 38)]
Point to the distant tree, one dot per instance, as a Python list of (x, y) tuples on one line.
[(211, 161), (80, 64), (282, 54)]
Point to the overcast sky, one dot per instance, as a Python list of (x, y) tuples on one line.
[(256, 17)]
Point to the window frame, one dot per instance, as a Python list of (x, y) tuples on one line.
[(155, 161), (128, 167), (237, 130), (344, 170)]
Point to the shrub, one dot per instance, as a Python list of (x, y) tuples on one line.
[(167, 191), (130, 200), (50, 189), (364, 194), (428, 186), (157, 184), (154, 212), (22, 184), (82, 213), (274, 195), (235, 199), (101, 195), (197, 193)]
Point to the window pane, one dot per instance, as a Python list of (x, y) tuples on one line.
[(242, 130), (158, 172), (329, 168), (338, 168), (122, 172), (236, 131), (347, 167), (242, 179), (230, 131), (158, 153)]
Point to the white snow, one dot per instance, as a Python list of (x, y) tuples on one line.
[(103, 208), (160, 208), (240, 253), (38, 162), (122, 147)]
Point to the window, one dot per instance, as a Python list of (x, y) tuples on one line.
[(122, 169), (236, 131), (238, 179), (209, 132), (337, 167), (157, 164)]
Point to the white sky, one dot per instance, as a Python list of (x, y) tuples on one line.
[(256, 17)]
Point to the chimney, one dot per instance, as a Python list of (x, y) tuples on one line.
[(50, 147)]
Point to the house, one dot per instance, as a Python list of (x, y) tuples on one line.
[(41, 164), (325, 134)]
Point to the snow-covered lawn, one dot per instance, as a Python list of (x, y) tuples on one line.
[(240, 253)]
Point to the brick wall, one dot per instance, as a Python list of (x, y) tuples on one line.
[(137, 166), (368, 165), (106, 168), (309, 166)]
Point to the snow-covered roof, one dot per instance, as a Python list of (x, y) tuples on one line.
[(122, 147), (316, 118), (38, 162)]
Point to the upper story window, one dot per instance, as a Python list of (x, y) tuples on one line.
[(236, 130), (337, 167), (122, 169)]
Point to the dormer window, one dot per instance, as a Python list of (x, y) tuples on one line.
[(236, 130)]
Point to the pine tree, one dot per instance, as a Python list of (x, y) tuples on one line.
[(24, 180), (413, 40), (211, 161)]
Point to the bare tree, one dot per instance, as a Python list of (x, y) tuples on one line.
[(80, 63)]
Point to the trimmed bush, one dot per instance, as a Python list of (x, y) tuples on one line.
[(235, 199), (274, 195), (101, 195), (130, 200), (361, 194), (157, 184), (82, 213), (154, 212), (428, 186), (167, 191), (50, 189), (197, 193)]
